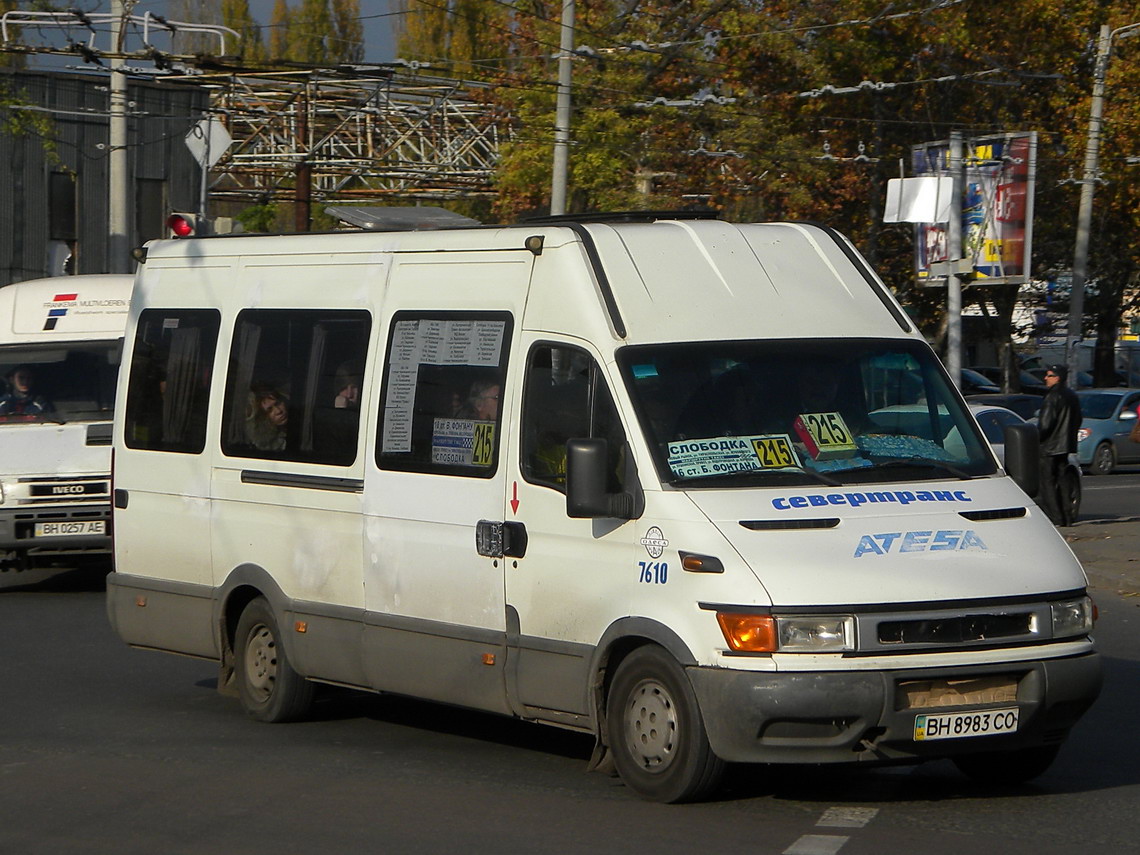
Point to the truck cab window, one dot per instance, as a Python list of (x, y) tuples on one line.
[(565, 398)]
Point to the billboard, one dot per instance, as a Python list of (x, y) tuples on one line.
[(996, 209)]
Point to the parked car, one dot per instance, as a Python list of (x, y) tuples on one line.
[(1024, 404), (1030, 380), (974, 383), (993, 422), (1107, 419)]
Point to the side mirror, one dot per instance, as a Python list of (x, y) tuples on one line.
[(587, 471), (1127, 415), (1022, 462)]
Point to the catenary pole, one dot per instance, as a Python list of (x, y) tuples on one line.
[(1088, 186), (118, 177), (562, 112)]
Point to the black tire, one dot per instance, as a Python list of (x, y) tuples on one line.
[(1103, 459), (1070, 500), (1007, 767), (655, 730), (269, 689)]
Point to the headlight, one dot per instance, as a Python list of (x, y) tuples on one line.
[(780, 634), (1073, 617)]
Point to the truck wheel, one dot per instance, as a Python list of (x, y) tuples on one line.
[(1007, 767), (1103, 460), (656, 731), (269, 688)]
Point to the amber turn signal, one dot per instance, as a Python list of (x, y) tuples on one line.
[(748, 633)]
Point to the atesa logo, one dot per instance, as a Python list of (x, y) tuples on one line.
[(918, 541)]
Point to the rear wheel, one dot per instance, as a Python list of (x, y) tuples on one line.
[(269, 688), (656, 731), (1007, 767), (1103, 459)]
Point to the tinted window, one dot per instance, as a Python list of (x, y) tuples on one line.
[(293, 385), (68, 383), (440, 407), (754, 412), (169, 387), (565, 398)]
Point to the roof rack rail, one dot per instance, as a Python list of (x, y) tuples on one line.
[(624, 216)]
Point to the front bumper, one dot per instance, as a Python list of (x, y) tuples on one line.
[(861, 716), (18, 530)]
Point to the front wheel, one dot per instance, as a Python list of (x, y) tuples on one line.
[(269, 688), (1007, 767), (1103, 459), (656, 731)]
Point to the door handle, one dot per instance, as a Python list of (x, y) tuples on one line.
[(496, 539)]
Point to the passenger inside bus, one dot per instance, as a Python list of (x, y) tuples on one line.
[(22, 397), (267, 418)]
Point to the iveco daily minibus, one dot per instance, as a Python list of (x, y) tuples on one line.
[(60, 340), (699, 489)]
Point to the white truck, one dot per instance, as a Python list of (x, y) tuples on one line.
[(697, 488), (60, 342)]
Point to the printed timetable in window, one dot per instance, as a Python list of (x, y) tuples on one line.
[(431, 341)]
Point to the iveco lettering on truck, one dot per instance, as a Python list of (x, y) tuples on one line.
[(60, 341), (698, 489)]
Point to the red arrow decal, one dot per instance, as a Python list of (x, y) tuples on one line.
[(515, 497)]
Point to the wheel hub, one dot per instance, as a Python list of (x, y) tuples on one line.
[(651, 726), (261, 661)]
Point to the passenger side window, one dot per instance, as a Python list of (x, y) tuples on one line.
[(441, 400), (565, 398), (294, 383), (169, 387)]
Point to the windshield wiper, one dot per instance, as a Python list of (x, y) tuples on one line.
[(926, 463)]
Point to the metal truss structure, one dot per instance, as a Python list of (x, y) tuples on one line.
[(331, 137), (300, 133)]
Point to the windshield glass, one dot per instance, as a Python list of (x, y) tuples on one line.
[(59, 383), (838, 411)]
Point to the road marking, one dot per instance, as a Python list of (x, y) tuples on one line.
[(847, 817), (816, 844)]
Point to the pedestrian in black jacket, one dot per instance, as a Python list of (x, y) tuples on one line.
[(1057, 428)]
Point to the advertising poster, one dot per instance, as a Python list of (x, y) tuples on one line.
[(996, 209)]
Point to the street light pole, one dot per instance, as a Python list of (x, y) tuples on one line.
[(1088, 186)]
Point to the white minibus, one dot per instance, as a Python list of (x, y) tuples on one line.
[(60, 340), (699, 489)]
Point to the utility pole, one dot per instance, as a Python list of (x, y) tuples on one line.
[(953, 282), (118, 177), (562, 112), (1088, 186)]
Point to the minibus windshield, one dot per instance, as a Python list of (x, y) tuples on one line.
[(836, 411), (59, 383)]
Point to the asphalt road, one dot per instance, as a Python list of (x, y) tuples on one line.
[(104, 749)]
